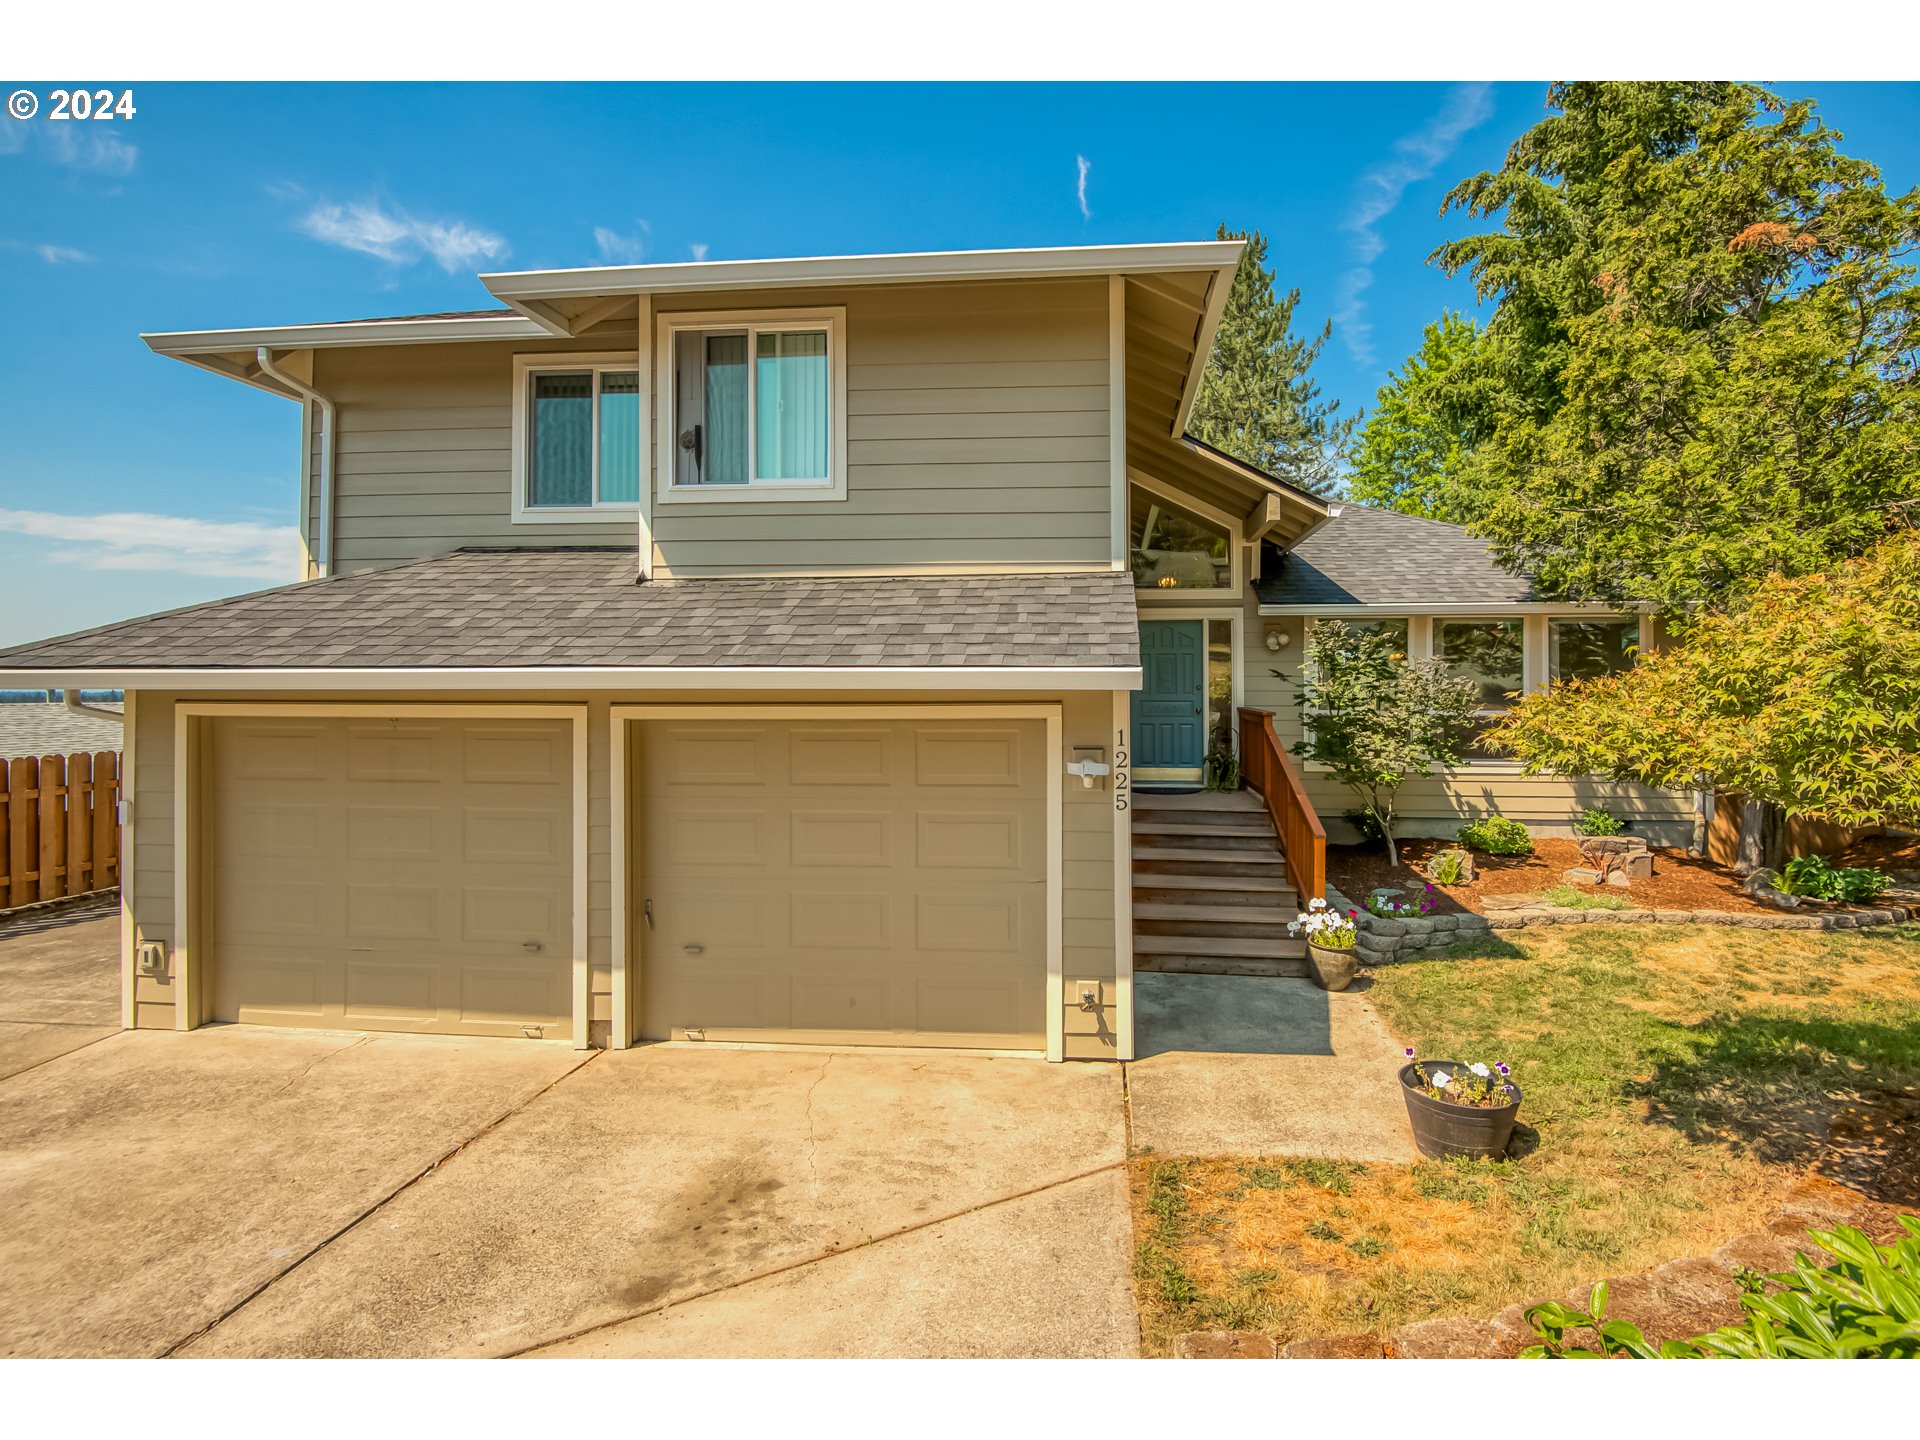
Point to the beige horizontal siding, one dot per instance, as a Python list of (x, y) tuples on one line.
[(1454, 795), (1087, 828), (977, 436)]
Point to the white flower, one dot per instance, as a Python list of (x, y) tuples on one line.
[(1479, 1069), (1440, 1079), (1316, 904)]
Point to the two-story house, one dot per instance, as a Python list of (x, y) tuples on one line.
[(763, 651)]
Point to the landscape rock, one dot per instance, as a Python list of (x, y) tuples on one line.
[(1452, 1338), (1672, 1302), (1582, 875), (1224, 1345), (1619, 879), (1638, 865), (1334, 1347)]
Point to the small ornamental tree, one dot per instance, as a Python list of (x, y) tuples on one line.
[(1806, 696), (1376, 719)]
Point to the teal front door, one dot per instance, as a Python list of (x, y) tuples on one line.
[(1170, 707)]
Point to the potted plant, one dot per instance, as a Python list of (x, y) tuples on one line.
[(1459, 1108), (1331, 937)]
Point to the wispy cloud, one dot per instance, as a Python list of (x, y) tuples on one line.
[(618, 249), (1080, 186), (77, 145), (1378, 194), (699, 250), (399, 238), (62, 255), (171, 543)]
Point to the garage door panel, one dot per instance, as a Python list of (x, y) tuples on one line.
[(840, 1002), (502, 756), (497, 835), (393, 754), (842, 757), (983, 840), (725, 839), (886, 885), (695, 756), (353, 875), (841, 920), (970, 757), (840, 839)]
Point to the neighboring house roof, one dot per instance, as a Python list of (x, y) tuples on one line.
[(37, 728), (547, 609), (1363, 556)]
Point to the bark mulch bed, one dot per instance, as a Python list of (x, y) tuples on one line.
[(1679, 881)]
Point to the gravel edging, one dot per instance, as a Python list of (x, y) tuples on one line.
[(1381, 942)]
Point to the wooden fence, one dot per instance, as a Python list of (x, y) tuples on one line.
[(59, 826)]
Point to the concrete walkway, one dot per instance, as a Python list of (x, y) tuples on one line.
[(1232, 1064), (59, 981)]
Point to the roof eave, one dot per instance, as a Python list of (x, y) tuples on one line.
[(515, 287), (660, 678)]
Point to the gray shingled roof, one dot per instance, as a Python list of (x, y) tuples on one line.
[(522, 608), (29, 727), (1364, 556)]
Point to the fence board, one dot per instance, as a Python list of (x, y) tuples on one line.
[(59, 826)]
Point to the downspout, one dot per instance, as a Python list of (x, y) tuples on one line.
[(323, 525), (80, 707)]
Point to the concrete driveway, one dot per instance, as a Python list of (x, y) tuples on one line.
[(244, 1191), (239, 1191)]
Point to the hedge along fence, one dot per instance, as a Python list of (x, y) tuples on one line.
[(59, 826)]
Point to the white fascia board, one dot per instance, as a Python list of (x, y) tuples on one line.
[(1488, 609), (515, 287), (629, 678), (1203, 345), (183, 344)]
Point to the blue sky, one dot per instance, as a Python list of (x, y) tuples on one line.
[(130, 484)]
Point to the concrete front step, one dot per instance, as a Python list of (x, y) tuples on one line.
[(1222, 947), (1154, 964)]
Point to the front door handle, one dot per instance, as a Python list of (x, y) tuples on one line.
[(696, 948)]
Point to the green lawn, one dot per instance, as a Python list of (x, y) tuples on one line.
[(1677, 1082)]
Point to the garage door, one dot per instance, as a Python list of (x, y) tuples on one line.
[(389, 874), (879, 883)]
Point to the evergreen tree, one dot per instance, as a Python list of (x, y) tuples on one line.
[(1706, 347), (1256, 400)]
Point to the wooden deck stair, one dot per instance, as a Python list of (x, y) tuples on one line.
[(1211, 893)]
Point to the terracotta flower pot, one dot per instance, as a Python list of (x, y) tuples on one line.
[(1441, 1128), (1332, 969)]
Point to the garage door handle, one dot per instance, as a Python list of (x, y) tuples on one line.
[(693, 949), (646, 912)]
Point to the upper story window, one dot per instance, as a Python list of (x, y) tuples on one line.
[(576, 436), (1175, 549), (1587, 649), (754, 407)]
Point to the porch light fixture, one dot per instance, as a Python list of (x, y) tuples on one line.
[(1278, 639)]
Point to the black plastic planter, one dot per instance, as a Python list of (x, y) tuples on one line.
[(1441, 1129)]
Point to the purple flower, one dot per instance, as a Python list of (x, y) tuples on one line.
[(1409, 1052), (1504, 1069)]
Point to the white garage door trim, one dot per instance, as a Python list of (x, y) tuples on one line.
[(623, 715), (185, 790)]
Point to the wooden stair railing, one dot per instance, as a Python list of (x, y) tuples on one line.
[(1266, 767)]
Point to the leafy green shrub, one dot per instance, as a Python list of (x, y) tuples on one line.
[(1449, 867), (1497, 835), (1367, 825), (1812, 876), (1598, 822), (1223, 769), (1866, 1305)]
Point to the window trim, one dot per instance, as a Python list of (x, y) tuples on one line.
[(525, 367), (667, 327)]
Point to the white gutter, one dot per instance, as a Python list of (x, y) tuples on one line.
[(71, 695), (646, 678), (323, 525)]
